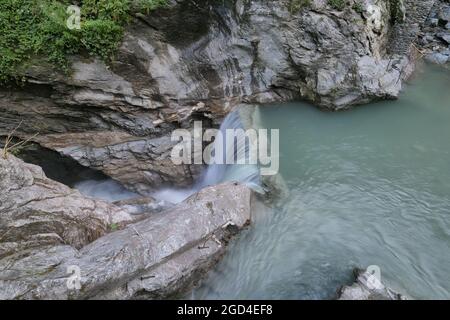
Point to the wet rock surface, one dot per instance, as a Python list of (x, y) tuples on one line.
[(48, 229), (118, 118), (143, 205), (368, 287)]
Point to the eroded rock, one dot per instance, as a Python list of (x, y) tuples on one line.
[(118, 119), (368, 287), (143, 205), (49, 230), (36, 211)]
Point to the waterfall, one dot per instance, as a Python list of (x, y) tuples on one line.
[(215, 173), (224, 168), (232, 153)]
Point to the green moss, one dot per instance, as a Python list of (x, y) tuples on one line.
[(296, 5), (337, 4), (396, 11), (358, 7), (39, 27)]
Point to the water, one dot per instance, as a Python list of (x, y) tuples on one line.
[(368, 186), (105, 189), (221, 170), (110, 190), (225, 167)]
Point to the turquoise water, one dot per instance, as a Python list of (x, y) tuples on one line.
[(369, 186)]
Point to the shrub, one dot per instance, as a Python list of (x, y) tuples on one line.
[(101, 37), (115, 10), (38, 27), (149, 5)]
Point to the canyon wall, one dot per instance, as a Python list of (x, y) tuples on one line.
[(196, 60)]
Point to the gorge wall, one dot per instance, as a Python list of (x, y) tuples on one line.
[(196, 60)]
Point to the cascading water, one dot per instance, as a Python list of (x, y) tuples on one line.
[(225, 165), (223, 168)]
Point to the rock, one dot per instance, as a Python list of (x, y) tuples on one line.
[(433, 22), (159, 257), (444, 37), (444, 14), (143, 205), (118, 118), (36, 211), (437, 58), (368, 287)]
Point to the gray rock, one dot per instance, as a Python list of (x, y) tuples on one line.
[(444, 37), (447, 26), (437, 58), (37, 211), (47, 230), (368, 287), (118, 119), (143, 206), (433, 22), (444, 14)]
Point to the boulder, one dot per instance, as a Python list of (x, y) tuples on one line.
[(444, 14), (437, 58), (57, 244), (368, 287), (444, 37), (37, 211)]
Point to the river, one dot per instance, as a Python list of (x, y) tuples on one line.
[(369, 186)]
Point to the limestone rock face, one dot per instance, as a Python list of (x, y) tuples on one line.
[(49, 231), (196, 60)]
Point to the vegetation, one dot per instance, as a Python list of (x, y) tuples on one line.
[(397, 14), (337, 4), (14, 148), (39, 27), (296, 5), (358, 7)]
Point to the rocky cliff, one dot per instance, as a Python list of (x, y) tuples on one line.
[(196, 60)]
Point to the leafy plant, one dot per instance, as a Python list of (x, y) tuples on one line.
[(149, 5), (115, 10), (39, 27), (101, 37)]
